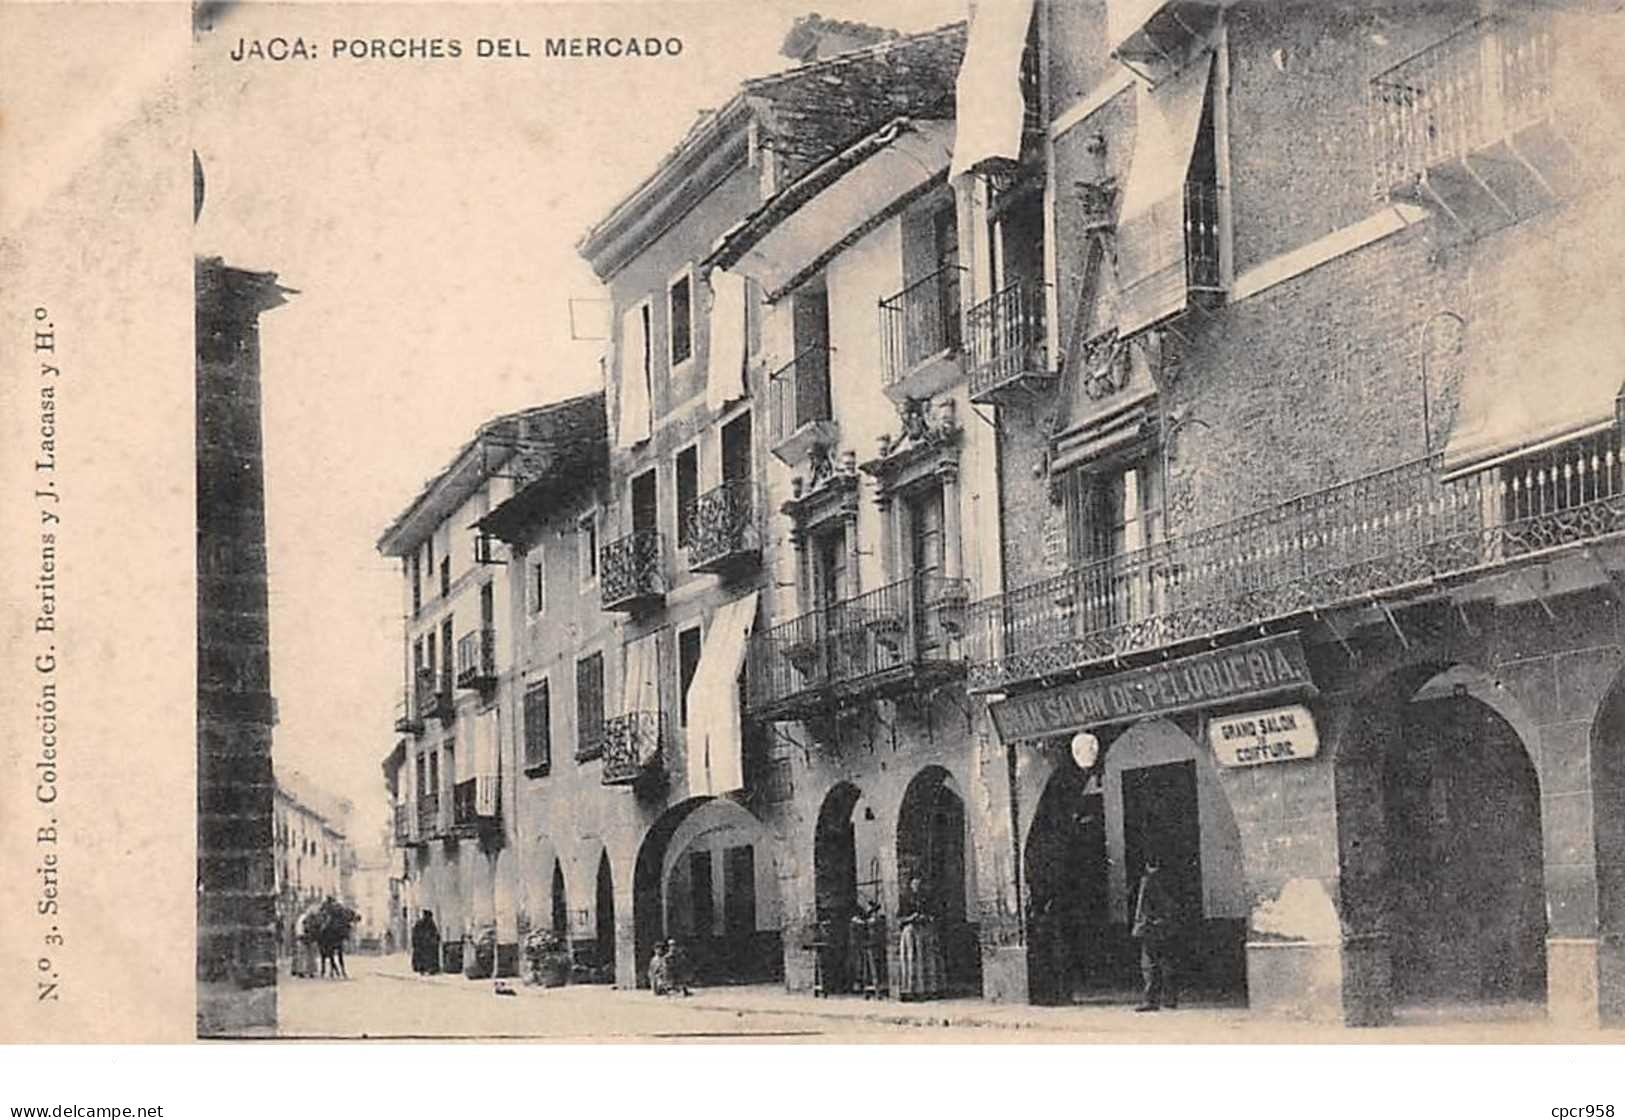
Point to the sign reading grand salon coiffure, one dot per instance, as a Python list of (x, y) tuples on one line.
[(1215, 677), (1251, 738)]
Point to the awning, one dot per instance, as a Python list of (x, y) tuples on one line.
[(1151, 226), (1159, 31), (715, 738), (634, 424), (1546, 366), (1125, 17), (640, 689), (990, 107), (725, 373), (487, 750), (844, 200)]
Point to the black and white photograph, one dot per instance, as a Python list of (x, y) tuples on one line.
[(918, 521)]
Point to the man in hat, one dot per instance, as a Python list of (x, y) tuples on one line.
[(1154, 922)]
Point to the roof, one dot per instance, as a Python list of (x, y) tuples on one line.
[(529, 436), (577, 458), (805, 114)]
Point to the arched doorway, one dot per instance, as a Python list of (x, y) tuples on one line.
[(1440, 819), (933, 845), (835, 885), (559, 919), (1065, 870), (604, 915)]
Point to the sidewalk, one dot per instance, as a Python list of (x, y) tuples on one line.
[(1092, 1023)]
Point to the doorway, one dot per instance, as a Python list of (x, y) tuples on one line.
[(835, 886), (604, 917), (1069, 947), (933, 840)]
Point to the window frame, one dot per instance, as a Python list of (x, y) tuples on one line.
[(536, 583), (587, 545), (586, 751), (537, 763), (674, 364), (697, 629), (683, 526)]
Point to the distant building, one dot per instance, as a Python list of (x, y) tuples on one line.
[(375, 894), (314, 856)]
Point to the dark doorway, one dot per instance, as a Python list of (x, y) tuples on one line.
[(645, 502), (835, 887), (1466, 879), (736, 449), (604, 913), (932, 844), (560, 918), (702, 896), (1070, 950), (1160, 819)]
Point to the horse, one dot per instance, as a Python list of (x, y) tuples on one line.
[(332, 930)]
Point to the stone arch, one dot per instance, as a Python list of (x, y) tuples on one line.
[(648, 903), (935, 847), (1064, 869)]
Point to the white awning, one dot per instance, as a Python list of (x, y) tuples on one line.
[(1151, 226), (487, 750), (1546, 366), (634, 425), (989, 104), (715, 735), (917, 153), (725, 372), (640, 691), (1125, 17)]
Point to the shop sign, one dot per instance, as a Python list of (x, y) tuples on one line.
[(1212, 678), (1274, 735)]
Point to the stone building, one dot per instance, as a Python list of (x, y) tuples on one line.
[(1316, 494), (315, 857)]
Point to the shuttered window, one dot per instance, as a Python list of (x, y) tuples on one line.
[(538, 730), (590, 706)]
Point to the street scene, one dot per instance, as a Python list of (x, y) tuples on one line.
[(1072, 520)]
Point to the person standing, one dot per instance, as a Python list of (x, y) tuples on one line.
[(919, 948), (425, 945), (1154, 926)]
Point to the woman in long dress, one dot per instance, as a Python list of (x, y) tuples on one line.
[(920, 948)]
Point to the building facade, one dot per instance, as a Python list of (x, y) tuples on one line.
[(315, 858), (1113, 432)]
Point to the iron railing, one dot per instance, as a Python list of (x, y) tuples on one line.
[(724, 525), (632, 569), (798, 393), (920, 322), (407, 721), (465, 813), (428, 816), (1004, 337), (848, 647), (477, 658), (1463, 93), (1399, 528), (631, 746), (432, 694)]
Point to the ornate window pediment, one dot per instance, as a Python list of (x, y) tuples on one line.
[(829, 490), (927, 444)]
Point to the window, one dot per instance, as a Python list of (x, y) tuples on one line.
[(536, 583), (688, 663), (688, 492), (445, 575), (587, 547), (590, 706), (433, 788), (1111, 517), (428, 563), (538, 730), (680, 303), (414, 576), (829, 572), (645, 502), (446, 647)]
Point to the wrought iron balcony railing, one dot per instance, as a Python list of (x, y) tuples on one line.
[(429, 825), (632, 571), (725, 527), (1005, 340), (466, 819), (798, 397), (477, 659), (631, 746), (869, 645), (407, 721), (920, 323), (1470, 90), (1382, 534), (432, 696)]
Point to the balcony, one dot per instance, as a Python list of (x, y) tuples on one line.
[(632, 572), (433, 698), (466, 819), (919, 331), (406, 718), (799, 413), (1467, 125), (429, 825), (631, 747), (894, 639), (1392, 533), (725, 531), (1005, 346), (477, 659)]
